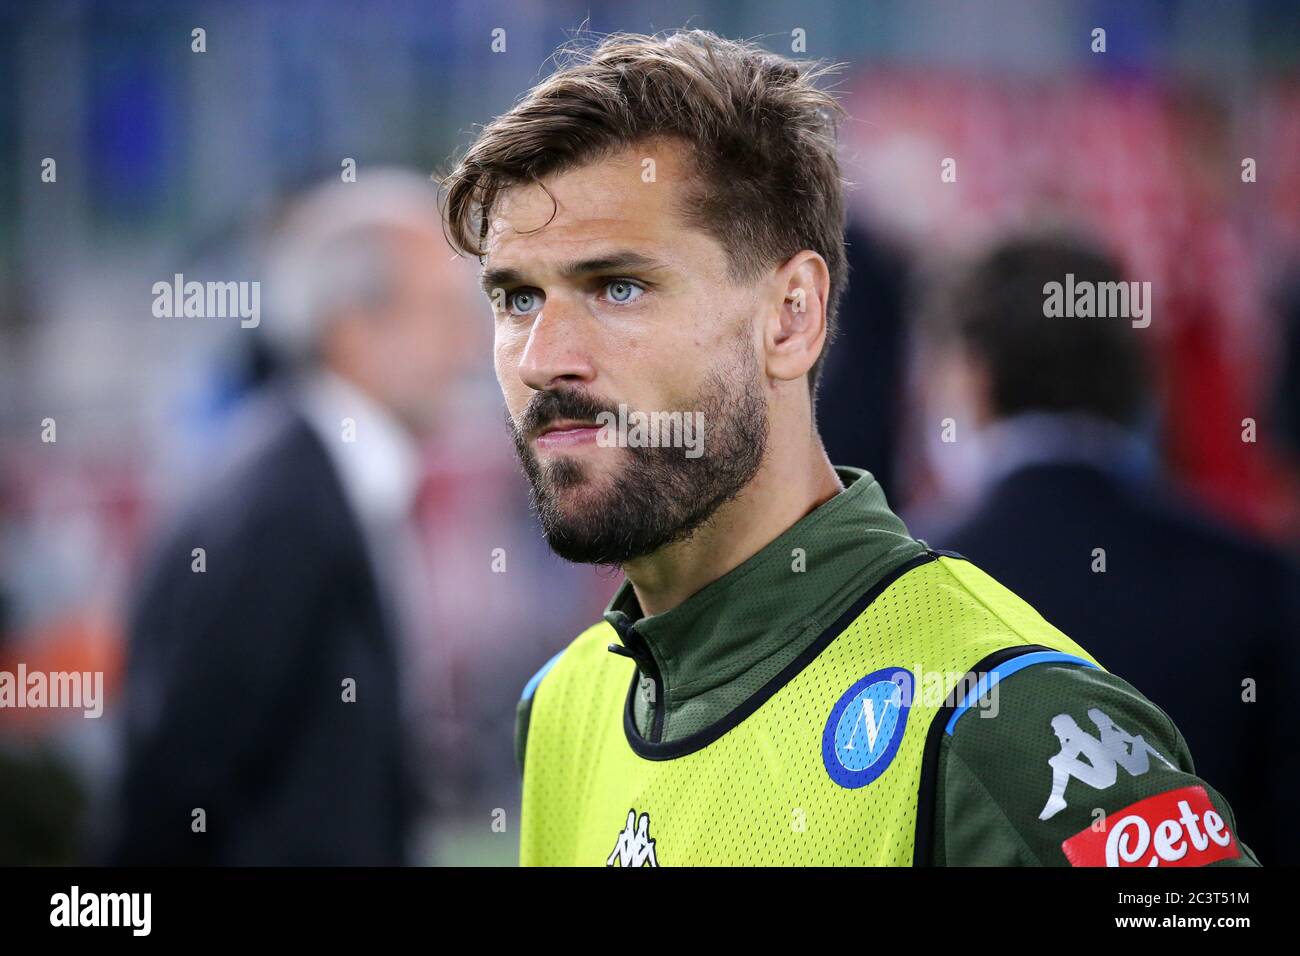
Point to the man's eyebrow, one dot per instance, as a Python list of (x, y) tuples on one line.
[(502, 277), (491, 279)]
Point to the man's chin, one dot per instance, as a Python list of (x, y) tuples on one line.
[(574, 504), (576, 521), (567, 543), (576, 478)]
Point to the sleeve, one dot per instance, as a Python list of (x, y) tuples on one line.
[(523, 711), (1061, 764)]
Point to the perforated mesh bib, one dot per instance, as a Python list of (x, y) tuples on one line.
[(777, 788)]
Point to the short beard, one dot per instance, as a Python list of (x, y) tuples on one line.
[(660, 496)]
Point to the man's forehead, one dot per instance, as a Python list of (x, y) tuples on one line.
[(610, 202)]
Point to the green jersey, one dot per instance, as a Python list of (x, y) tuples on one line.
[(850, 696)]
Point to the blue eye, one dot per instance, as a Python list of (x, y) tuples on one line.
[(522, 301), (623, 291)]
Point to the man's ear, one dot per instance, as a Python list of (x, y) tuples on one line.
[(795, 331)]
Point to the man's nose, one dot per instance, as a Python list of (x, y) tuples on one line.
[(558, 349)]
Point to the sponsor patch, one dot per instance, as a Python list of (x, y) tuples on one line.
[(1177, 828)]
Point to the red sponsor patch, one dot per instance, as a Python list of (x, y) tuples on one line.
[(1177, 828)]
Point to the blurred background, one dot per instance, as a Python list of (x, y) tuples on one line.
[(169, 159)]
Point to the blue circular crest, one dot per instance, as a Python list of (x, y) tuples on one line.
[(866, 726)]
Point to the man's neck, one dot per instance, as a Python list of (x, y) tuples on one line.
[(785, 489)]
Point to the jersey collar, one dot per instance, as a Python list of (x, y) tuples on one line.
[(714, 649)]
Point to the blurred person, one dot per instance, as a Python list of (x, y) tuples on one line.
[(858, 400), (779, 678), (264, 691), (1070, 510)]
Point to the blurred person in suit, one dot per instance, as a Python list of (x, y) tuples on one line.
[(858, 401), (1065, 505), (271, 681)]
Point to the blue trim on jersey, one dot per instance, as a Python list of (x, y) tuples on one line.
[(536, 679), (1006, 669)]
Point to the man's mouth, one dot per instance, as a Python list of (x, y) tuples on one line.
[(567, 433)]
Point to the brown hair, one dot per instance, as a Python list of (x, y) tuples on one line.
[(762, 138)]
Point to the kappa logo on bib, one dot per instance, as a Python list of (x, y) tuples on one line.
[(866, 726), (635, 846)]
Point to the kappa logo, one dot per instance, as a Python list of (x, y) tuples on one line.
[(1094, 761), (866, 726), (634, 846)]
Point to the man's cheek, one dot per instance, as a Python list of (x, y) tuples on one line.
[(505, 363), (513, 391)]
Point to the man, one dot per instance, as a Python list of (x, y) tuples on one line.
[(1072, 514), (660, 224), (264, 714)]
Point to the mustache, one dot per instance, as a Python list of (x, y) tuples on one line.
[(555, 405)]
